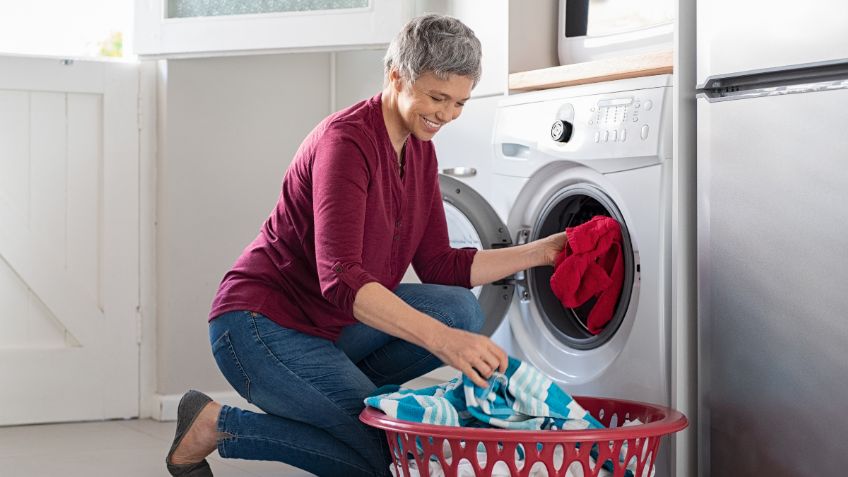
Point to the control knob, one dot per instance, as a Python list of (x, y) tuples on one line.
[(561, 130)]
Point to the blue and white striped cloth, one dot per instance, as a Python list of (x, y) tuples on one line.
[(520, 398)]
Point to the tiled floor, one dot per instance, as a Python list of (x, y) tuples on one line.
[(133, 448)]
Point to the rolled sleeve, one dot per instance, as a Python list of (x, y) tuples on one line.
[(340, 177), (350, 277)]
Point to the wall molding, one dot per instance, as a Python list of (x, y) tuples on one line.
[(166, 404)]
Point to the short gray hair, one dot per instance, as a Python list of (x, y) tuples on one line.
[(439, 44)]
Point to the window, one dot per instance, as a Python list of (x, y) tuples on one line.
[(79, 28), (210, 8), (189, 28)]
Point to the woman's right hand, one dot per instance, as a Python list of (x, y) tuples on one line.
[(474, 355)]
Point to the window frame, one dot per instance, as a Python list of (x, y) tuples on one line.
[(158, 36)]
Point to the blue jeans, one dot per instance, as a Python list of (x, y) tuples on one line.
[(312, 389)]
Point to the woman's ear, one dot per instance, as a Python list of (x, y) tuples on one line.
[(396, 80)]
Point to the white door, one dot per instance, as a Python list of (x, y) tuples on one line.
[(69, 240)]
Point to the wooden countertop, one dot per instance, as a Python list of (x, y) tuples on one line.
[(647, 64)]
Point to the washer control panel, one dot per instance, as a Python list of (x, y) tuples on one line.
[(619, 119), (613, 127)]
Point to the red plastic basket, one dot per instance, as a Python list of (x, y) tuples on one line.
[(557, 451)]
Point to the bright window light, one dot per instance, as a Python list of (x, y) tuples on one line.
[(76, 28)]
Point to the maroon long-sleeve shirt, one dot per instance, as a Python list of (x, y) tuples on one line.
[(345, 217)]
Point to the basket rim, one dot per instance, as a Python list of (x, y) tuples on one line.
[(671, 422)]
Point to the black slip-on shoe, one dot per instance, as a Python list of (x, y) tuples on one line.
[(189, 408)]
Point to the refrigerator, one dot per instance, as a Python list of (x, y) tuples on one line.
[(772, 237)]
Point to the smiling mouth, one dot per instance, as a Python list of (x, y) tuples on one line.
[(431, 124)]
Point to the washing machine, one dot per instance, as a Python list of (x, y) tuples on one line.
[(563, 156)]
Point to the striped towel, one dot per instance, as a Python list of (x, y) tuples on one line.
[(521, 398), (524, 398)]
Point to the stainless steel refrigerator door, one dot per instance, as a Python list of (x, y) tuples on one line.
[(752, 35), (773, 284)]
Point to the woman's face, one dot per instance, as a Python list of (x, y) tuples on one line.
[(429, 103)]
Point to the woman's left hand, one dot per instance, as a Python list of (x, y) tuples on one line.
[(551, 246)]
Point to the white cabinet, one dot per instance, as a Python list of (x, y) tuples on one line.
[(185, 28)]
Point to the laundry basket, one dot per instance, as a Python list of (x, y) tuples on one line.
[(616, 451)]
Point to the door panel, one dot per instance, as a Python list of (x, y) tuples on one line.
[(84, 191), (68, 240)]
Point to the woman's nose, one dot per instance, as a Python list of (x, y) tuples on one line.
[(448, 113)]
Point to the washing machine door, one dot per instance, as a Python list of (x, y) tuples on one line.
[(556, 338), (472, 222)]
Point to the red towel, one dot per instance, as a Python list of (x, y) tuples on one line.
[(591, 265)]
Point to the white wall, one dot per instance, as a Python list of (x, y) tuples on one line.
[(358, 75), (532, 40), (230, 127)]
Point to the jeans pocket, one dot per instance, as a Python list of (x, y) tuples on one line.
[(230, 366), (264, 326)]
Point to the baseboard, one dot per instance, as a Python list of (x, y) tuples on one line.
[(166, 404), (437, 376), (443, 374)]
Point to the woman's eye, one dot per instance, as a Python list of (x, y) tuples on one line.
[(438, 100)]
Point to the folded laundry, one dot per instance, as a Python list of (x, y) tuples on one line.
[(521, 398), (591, 265)]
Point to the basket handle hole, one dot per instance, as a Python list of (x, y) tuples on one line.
[(520, 456), (559, 456)]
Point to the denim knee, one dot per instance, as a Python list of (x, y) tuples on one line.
[(465, 310)]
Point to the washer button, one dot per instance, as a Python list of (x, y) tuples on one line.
[(648, 105), (623, 135), (645, 131), (614, 135), (597, 136), (604, 135)]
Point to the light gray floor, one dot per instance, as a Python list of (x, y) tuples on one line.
[(133, 448)]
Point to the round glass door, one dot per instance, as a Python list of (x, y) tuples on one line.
[(570, 207)]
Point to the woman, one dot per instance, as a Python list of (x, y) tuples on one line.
[(312, 319)]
